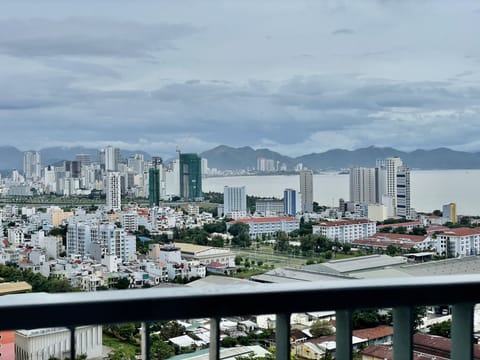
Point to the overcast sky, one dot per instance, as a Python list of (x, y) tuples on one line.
[(294, 76)]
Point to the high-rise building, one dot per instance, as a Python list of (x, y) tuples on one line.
[(403, 192), (113, 241), (73, 168), (112, 158), (388, 177), (234, 202), (393, 182), (450, 212), (32, 167), (265, 165), (306, 190), (136, 163), (191, 177), (79, 238), (290, 202), (363, 185), (113, 191), (154, 181), (83, 159)]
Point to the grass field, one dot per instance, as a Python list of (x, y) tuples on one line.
[(116, 344)]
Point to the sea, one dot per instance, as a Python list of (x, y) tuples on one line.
[(430, 189)]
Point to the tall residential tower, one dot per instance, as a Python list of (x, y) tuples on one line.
[(306, 190), (191, 177)]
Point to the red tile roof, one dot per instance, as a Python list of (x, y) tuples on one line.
[(379, 352), (461, 232), (437, 345), (383, 352), (374, 333), (398, 237), (345, 222), (404, 224), (264, 219)]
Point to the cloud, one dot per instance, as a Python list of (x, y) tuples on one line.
[(86, 36), (303, 114), (343, 31)]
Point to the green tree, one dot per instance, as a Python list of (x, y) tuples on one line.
[(229, 342), (321, 328), (217, 241), (281, 243), (362, 319), (240, 233), (392, 250), (216, 227), (437, 213), (123, 283), (160, 349), (443, 328)]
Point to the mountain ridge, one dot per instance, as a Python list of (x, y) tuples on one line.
[(224, 157)]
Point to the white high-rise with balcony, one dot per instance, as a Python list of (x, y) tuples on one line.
[(113, 191), (32, 167), (234, 202), (363, 187), (403, 192)]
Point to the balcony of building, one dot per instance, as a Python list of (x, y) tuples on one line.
[(462, 292)]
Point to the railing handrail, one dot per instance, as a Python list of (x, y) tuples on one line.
[(37, 310)]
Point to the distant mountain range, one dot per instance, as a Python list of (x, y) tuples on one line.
[(229, 158), (224, 157)]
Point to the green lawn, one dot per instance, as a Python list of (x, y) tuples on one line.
[(115, 344)]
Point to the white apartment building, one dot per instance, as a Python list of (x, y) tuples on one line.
[(97, 240), (269, 225), (16, 236), (403, 192), (234, 202), (346, 231), (79, 238), (269, 207), (113, 191), (363, 187), (42, 344), (129, 220), (459, 242), (113, 241), (389, 168)]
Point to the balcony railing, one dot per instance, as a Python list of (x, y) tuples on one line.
[(30, 311)]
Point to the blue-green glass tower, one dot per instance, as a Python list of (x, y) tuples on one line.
[(191, 177)]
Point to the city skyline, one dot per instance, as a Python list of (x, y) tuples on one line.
[(294, 77)]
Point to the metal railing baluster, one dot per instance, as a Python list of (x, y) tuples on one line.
[(344, 334), (145, 335), (214, 352), (72, 343), (462, 331), (403, 333), (282, 336)]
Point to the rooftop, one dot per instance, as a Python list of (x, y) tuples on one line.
[(357, 264), (15, 287), (345, 222), (264, 219)]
